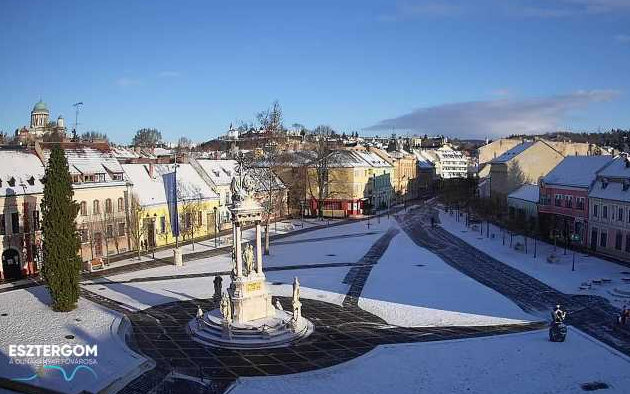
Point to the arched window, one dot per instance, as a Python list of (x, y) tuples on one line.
[(96, 207), (83, 208), (121, 204), (108, 205)]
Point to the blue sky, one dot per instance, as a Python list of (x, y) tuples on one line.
[(454, 67)]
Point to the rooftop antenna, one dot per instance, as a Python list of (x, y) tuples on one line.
[(76, 114)]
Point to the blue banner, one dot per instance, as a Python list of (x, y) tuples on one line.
[(170, 188)]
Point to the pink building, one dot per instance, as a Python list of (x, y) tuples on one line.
[(563, 208), (609, 203)]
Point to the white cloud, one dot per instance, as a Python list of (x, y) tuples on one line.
[(623, 38), (495, 117), (126, 81), (510, 8), (169, 74)]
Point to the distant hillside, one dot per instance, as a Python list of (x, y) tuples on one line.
[(616, 138)]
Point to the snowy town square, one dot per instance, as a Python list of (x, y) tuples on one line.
[(314, 197)]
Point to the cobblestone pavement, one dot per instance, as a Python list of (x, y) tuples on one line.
[(341, 333), (592, 314)]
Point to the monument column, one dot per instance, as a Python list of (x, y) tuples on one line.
[(258, 248), (237, 249)]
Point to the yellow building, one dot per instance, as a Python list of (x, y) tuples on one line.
[(100, 189), (355, 182), (150, 218), (405, 171)]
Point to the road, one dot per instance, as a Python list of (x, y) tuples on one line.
[(592, 314)]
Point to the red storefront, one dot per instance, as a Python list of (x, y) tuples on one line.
[(339, 207)]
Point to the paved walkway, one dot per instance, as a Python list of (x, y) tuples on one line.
[(591, 314), (341, 333)]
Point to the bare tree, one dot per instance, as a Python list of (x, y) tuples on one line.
[(137, 228), (319, 167), (271, 121), (191, 208)]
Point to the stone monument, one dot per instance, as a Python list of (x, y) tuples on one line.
[(246, 317)]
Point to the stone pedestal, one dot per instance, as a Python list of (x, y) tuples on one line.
[(250, 298), (177, 257)]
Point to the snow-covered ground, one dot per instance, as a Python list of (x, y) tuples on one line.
[(31, 321), (522, 363), (286, 251), (557, 275), (284, 227), (433, 294), (320, 283)]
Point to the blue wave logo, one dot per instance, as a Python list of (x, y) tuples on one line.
[(60, 369)]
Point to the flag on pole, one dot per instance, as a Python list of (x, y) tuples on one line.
[(170, 187)]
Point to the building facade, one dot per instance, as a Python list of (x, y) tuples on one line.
[(21, 191), (564, 200), (609, 209)]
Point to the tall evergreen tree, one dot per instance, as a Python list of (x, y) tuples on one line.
[(62, 266)]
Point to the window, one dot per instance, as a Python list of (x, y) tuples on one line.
[(3, 226), (605, 211), (12, 182), (121, 204), (96, 207), (15, 223), (36, 223), (603, 236), (109, 232), (117, 176), (162, 224), (83, 208), (199, 218), (187, 220), (108, 206), (121, 229), (595, 209), (618, 240), (620, 214), (568, 201), (558, 200), (627, 242), (84, 235), (579, 203)]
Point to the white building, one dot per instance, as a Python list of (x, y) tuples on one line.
[(448, 162)]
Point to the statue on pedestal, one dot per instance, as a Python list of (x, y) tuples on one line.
[(199, 316), (218, 285), (248, 259), (558, 330), (226, 308), (296, 304)]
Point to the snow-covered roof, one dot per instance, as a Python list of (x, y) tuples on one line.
[(576, 171), (526, 193), (422, 161), (510, 154), (89, 161), (611, 191), (220, 172), (24, 170), (353, 158), (619, 167), (150, 189)]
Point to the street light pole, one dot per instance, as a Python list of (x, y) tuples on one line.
[(215, 227)]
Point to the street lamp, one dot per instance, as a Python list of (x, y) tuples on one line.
[(215, 227)]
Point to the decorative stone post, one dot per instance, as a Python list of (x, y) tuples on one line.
[(258, 249)]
